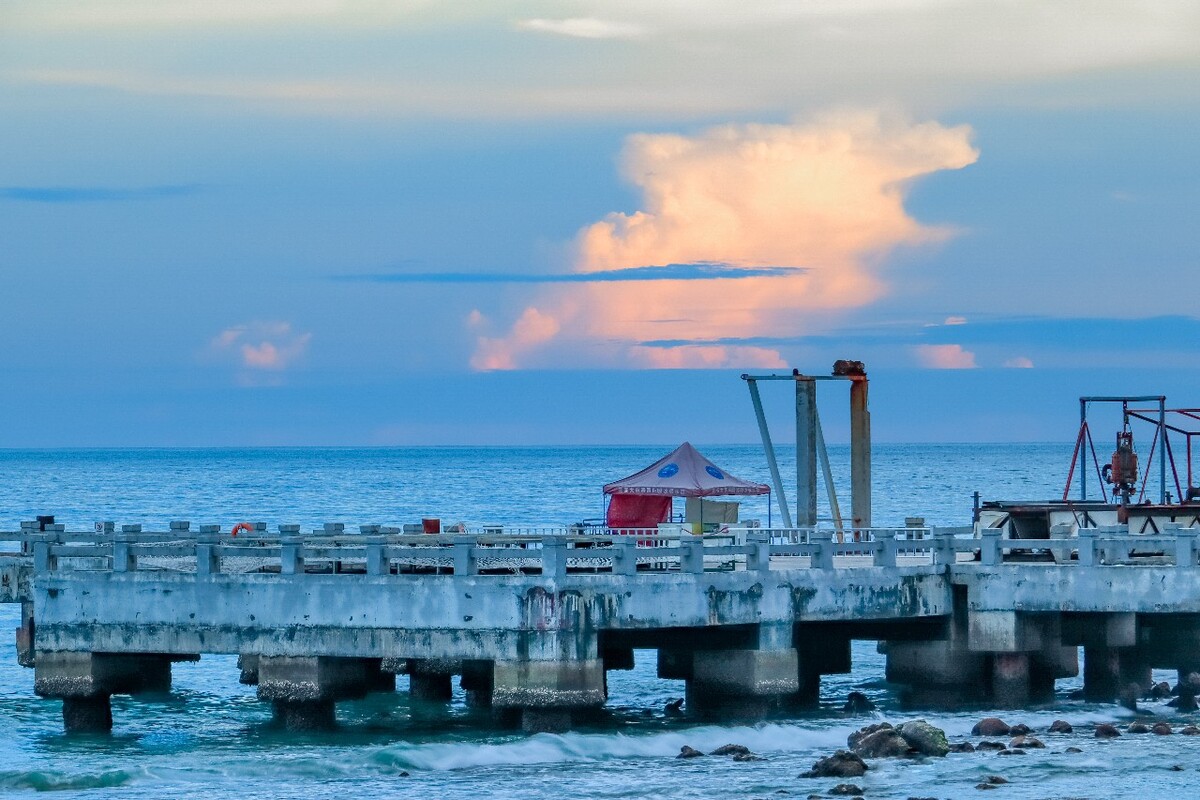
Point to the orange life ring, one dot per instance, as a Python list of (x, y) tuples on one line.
[(242, 526)]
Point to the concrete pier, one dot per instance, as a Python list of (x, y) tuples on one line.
[(750, 620)]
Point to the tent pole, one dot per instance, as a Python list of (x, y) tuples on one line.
[(769, 450), (829, 489)]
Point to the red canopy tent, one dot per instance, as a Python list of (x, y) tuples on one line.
[(644, 499)]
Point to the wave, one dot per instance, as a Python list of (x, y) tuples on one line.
[(52, 781)]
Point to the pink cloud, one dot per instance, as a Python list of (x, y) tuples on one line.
[(262, 346), (945, 356), (826, 195), (1019, 362), (531, 329)]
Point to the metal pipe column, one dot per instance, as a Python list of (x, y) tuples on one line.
[(769, 450), (860, 454), (806, 452)]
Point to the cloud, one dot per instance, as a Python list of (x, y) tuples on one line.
[(672, 272), (955, 321), (583, 28), (1019, 362), (944, 356), (533, 328), (261, 347), (691, 356), (93, 194), (827, 193)]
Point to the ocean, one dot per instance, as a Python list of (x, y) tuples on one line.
[(212, 738)]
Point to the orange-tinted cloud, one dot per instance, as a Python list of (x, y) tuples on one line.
[(826, 195), (261, 347), (945, 356)]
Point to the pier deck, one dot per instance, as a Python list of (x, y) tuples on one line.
[(750, 619)]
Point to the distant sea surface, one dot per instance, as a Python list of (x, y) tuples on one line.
[(212, 738)]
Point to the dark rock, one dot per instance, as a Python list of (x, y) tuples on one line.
[(842, 764), (996, 779), (991, 726), (1190, 730), (866, 731), (1176, 768), (847, 789), (1185, 702), (1061, 726), (1161, 729), (731, 750), (962, 747), (1160, 691), (689, 752), (674, 708), (742, 757), (1013, 751), (1107, 731), (857, 703), (883, 743), (1078, 694), (1072, 750), (403, 774), (984, 786), (1027, 742), (924, 738), (987, 745), (1020, 729), (1137, 727)]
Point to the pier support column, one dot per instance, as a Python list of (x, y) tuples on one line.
[(86, 681), (477, 683), (430, 678), (1101, 673), (25, 652), (1010, 680), (248, 669), (378, 678), (547, 692), (741, 684), (304, 689)]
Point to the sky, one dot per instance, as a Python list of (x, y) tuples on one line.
[(397, 222)]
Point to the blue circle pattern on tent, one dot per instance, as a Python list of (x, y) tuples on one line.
[(668, 470), (716, 473)]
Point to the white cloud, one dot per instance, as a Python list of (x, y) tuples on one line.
[(583, 28), (944, 356), (825, 194), (260, 346), (955, 321)]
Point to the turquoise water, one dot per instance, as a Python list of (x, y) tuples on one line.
[(211, 737)]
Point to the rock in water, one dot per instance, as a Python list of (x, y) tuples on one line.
[(1137, 727), (731, 750), (1107, 731), (882, 743), (847, 789), (995, 779), (925, 739), (989, 745), (962, 747), (991, 726), (858, 703), (1160, 691), (674, 708), (1161, 729), (842, 764), (1027, 742), (1190, 730), (689, 752), (1185, 702), (1072, 750), (1061, 726), (1020, 729)]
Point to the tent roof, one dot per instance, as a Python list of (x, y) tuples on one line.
[(684, 472)]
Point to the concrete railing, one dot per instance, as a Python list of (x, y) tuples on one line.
[(379, 551)]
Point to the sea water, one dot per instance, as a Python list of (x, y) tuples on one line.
[(212, 738)]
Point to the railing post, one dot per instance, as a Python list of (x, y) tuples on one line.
[(691, 557), (554, 556), (625, 555), (943, 548), (885, 550), (989, 547), (759, 558), (28, 528), (180, 527), (44, 559), (1087, 547), (464, 557), (123, 558), (291, 546), (377, 564), (208, 556), (1185, 544), (822, 549)]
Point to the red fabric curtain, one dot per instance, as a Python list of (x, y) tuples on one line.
[(638, 510)]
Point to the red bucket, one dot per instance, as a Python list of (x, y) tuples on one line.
[(429, 525)]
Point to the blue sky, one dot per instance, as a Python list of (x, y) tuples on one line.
[(226, 223)]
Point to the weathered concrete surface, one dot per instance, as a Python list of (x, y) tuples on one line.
[(548, 684), (297, 679), (75, 674), (16, 578), (485, 617), (746, 672), (1050, 588)]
